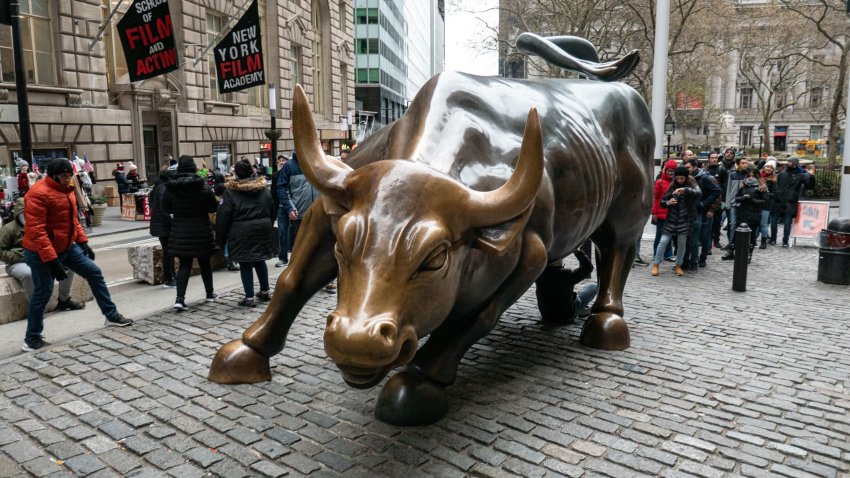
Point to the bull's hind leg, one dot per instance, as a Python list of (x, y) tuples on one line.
[(416, 395), (313, 265), (605, 328)]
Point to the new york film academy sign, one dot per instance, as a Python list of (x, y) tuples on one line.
[(239, 56), (148, 39)]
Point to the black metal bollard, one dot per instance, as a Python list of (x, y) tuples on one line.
[(742, 256)]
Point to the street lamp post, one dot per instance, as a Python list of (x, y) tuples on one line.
[(273, 134), (669, 129), (761, 139)]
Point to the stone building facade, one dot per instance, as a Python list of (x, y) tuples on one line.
[(81, 100)]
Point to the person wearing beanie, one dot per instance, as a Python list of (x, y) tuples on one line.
[(160, 225), (680, 201), (751, 198), (51, 247), (659, 213), (189, 200), (791, 184), (768, 211), (245, 223), (121, 181), (133, 178)]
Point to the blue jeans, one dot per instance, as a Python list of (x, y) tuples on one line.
[(732, 215), (659, 228), (584, 297), (246, 270), (788, 223), (765, 224), (283, 233), (681, 242), (42, 280)]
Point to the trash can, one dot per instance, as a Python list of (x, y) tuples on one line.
[(834, 252)]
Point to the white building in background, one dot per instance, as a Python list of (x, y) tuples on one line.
[(426, 42)]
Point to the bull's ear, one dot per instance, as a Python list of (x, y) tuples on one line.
[(498, 238)]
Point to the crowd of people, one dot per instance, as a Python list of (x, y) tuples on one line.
[(693, 203)]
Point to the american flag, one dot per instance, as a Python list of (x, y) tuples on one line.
[(87, 164)]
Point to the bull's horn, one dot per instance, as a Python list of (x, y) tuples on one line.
[(518, 194), (325, 174)]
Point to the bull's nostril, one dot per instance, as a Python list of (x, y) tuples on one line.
[(388, 331)]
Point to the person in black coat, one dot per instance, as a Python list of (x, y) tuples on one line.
[(190, 201), (161, 225), (245, 222), (680, 200), (751, 197)]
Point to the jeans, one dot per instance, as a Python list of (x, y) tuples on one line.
[(186, 270), (681, 241), (659, 231), (167, 260), (584, 297), (293, 233), (42, 281), (692, 249), (774, 225), (716, 224), (246, 270), (731, 215), (283, 233), (22, 272), (788, 218), (765, 223)]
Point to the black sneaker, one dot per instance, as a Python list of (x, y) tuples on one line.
[(69, 305), (784, 244), (702, 264), (180, 304), (247, 302), (118, 321), (264, 296), (232, 266), (35, 345), (670, 259), (211, 297), (169, 284), (281, 263)]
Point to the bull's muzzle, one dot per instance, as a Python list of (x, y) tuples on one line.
[(365, 350)]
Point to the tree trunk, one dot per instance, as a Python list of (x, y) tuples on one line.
[(837, 102)]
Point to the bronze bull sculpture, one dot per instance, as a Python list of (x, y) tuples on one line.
[(441, 221)]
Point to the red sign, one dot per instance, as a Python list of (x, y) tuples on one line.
[(812, 216), (148, 39)]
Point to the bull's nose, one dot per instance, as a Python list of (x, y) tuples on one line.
[(369, 342)]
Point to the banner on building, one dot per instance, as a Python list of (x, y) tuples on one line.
[(148, 39), (239, 55)]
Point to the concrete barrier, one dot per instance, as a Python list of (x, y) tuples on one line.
[(146, 260), (13, 300)]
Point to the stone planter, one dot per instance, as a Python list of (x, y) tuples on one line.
[(97, 216)]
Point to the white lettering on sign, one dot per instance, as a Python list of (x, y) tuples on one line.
[(144, 5)]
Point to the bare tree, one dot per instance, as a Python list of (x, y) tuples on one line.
[(829, 19)]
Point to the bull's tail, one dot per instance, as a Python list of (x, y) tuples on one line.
[(577, 55)]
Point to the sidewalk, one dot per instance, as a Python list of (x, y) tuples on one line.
[(715, 384), (113, 224)]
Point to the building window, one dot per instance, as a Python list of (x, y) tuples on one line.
[(215, 24), (745, 137), (222, 157), (318, 47), (816, 132), (366, 16), (343, 88), (295, 66), (343, 15), (816, 97), (37, 38), (746, 98), (116, 64), (368, 75), (366, 46), (515, 68)]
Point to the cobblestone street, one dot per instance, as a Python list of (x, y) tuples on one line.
[(716, 383)]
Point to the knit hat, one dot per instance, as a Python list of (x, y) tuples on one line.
[(186, 165), (670, 164), (59, 166), (681, 171), (771, 163), (243, 169), (119, 166), (132, 167)]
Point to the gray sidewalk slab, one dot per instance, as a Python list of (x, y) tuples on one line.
[(113, 224), (715, 384)]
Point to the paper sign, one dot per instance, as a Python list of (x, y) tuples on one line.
[(812, 216), (148, 39), (239, 56)]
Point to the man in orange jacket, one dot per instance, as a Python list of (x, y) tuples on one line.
[(54, 241)]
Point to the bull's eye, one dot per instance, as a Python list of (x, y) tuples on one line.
[(435, 261)]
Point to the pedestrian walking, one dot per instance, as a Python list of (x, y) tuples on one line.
[(244, 223), (282, 215), (190, 201), (53, 242), (161, 225)]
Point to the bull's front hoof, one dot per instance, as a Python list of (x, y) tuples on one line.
[(605, 331), (237, 362), (409, 399)]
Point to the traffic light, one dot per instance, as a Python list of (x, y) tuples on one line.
[(6, 12)]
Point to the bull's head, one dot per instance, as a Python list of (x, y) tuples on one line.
[(404, 232)]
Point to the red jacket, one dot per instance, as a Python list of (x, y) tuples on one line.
[(661, 186), (51, 217)]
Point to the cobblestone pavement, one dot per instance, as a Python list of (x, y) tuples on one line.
[(716, 383)]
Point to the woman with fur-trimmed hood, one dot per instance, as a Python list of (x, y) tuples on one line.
[(244, 222)]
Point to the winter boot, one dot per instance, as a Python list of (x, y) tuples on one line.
[(654, 270), (763, 244)]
